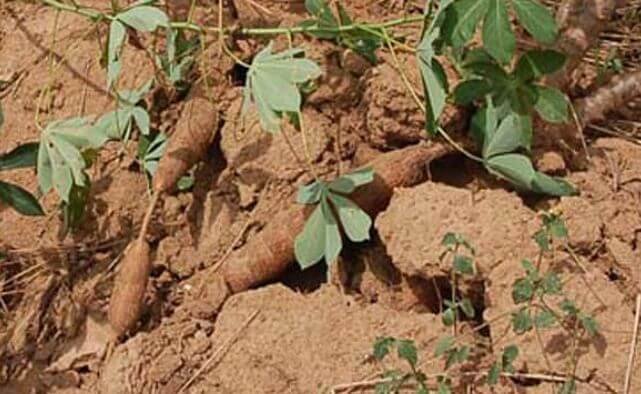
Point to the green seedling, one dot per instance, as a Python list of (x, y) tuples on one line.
[(406, 350), (321, 236), (462, 265)]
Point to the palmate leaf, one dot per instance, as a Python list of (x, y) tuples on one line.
[(536, 63), (272, 84), (117, 123), (19, 199), (321, 235), (60, 161)]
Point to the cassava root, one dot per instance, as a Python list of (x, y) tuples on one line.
[(269, 253)]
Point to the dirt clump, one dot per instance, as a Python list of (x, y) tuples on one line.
[(302, 343)]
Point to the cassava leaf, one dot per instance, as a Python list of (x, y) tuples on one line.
[(551, 104), (355, 221), (117, 32), (461, 20), (311, 193), (60, 161), (25, 155), (514, 132), (347, 183), (20, 199), (144, 18), (513, 167), (152, 152), (498, 37), (536, 19), (272, 84), (309, 246), (536, 63)]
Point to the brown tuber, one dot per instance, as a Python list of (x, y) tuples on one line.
[(190, 142), (130, 285), (269, 253)]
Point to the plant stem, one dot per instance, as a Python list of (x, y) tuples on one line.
[(94, 14)]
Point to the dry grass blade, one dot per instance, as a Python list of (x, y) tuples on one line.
[(633, 347)]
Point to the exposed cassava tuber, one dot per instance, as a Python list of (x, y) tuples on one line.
[(188, 145), (127, 297), (269, 253), (615, 94)]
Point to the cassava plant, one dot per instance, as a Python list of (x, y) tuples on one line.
[(503, 85)]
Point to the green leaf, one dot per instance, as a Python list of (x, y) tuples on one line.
[(552, 186), (74, 210), (498, 38), (509, 356), (544, 319), (467, 308), (470, 90), (552, 104), (536, 63), (537, 20), (333, 242), (514, 132), (589, 324), (153, 152), (347, 183), (551, 283), (309, 246), (461, 20), (320, 9), (407, 351), (185, 183), (523, 290), (450, 239), (515, 168), (542, 239), (141, 116), (484, 123), (144, 18), (434, 80), (382, 347), (60, 162), (355, 221), (310, 194), (20, 200), (25, 155), (444, 387), (493, 374), (521, 321), (117, 34), (569, 387), (444, 345), (458, 356), (272, 84), (463, 265), (449, 317)]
